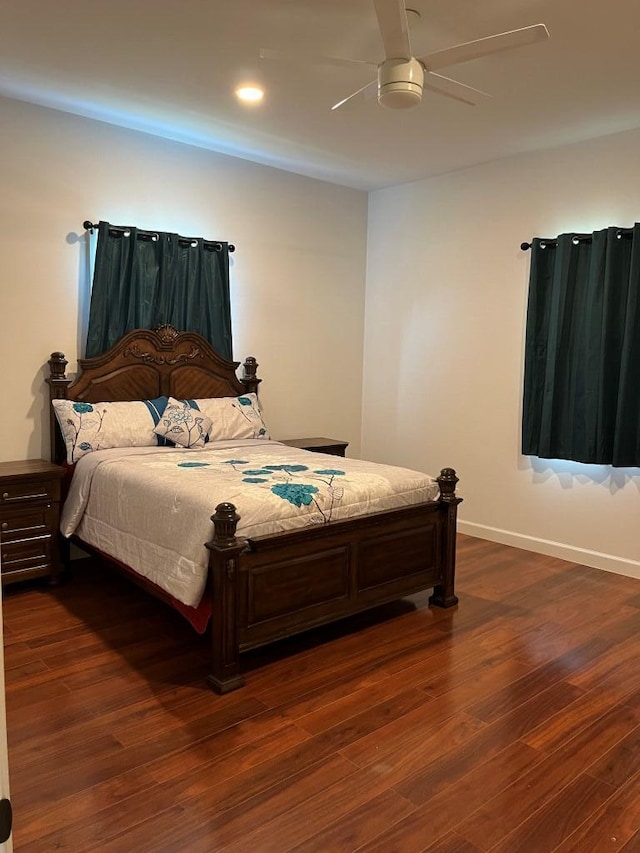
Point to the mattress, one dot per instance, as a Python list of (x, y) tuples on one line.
[(150, 508)]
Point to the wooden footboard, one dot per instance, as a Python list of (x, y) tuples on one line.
[(269, 587)]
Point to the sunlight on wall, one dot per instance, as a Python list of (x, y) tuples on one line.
[(569, 473)]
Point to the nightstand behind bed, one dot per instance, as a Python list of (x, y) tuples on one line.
[(332, 446)]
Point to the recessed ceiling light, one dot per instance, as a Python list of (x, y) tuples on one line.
[(250, 94)]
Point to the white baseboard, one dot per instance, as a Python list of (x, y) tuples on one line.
[(619, 565)]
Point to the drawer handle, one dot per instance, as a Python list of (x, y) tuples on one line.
[(5, 525), (32, 497)]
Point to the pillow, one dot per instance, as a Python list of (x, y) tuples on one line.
[(234, 417), (156, 408), (97, 426), (183, 424)]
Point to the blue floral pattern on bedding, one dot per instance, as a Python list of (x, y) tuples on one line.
[(297, 484), (318, 490), (81, 422), (183, 424), (234, 417), (87, 427), (295, 493), (253, 416)]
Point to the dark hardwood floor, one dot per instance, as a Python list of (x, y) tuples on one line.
[(509, 724)]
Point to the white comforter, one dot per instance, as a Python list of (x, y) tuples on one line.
[(150, 507)]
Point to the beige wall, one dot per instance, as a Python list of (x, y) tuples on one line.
[(445, 314), (298, 273)]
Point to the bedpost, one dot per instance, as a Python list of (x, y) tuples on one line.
[(443, 593), (224, 554), (58, 384), (249, 376)]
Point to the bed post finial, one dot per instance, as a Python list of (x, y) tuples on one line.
[(447, 481), (57, 366), (225, 520), (249, 377)]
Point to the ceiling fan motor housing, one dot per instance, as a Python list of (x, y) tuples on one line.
[(400, 83)]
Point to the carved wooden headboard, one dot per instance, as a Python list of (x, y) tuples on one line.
[(144, 364)]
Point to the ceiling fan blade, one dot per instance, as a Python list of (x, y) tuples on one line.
[(484, 47), (302, 56), (394, 29), (353, 94), (452, 88)]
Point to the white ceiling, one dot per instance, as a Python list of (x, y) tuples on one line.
[(169, 67)]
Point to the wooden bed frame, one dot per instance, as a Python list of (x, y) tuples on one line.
[(269, 587)]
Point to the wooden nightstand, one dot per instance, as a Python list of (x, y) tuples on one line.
[(29, 514), (319, 445)]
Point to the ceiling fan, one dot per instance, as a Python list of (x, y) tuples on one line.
[(402, 77)]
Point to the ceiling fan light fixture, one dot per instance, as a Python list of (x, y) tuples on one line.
[(399, 96), (400, 83)]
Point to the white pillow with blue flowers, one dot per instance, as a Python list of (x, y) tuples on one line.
[(183, 424), (234, 417), (96, 426)]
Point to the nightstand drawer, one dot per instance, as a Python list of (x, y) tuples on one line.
[(26, 553), (17, 491), (22, 522)]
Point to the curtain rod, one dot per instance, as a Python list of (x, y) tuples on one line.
[(577, 238), (151, 235)]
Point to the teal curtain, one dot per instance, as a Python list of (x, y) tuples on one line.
[(142, 279), (582, 351)]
